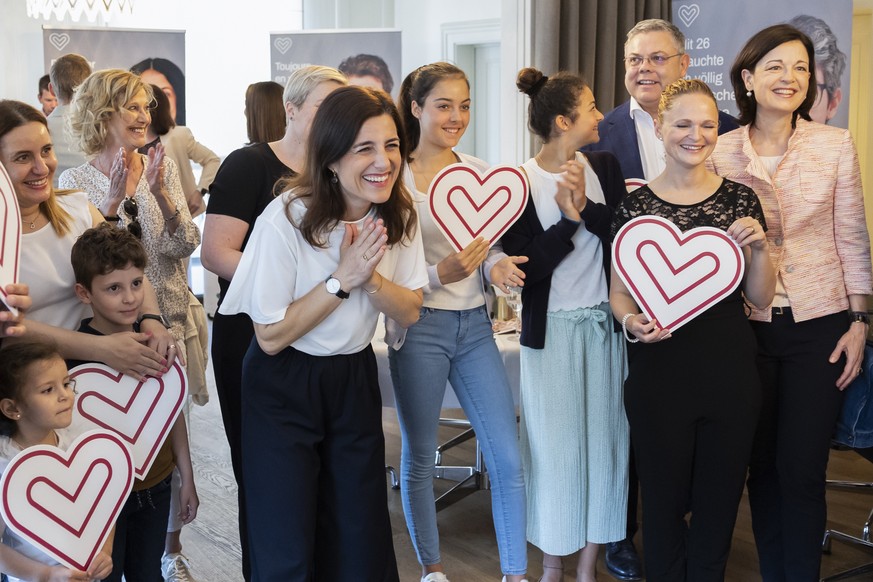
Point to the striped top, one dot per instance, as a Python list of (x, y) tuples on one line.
[(814, 206)]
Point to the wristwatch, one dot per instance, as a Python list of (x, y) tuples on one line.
[(859, 316), (334, 287), (156, 317)]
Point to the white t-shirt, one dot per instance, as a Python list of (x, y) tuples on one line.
[(8, 450), (652, 153), (278, 267), (45, 266), (578, 281), (464, 294)]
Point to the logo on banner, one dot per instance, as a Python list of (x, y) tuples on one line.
[(59, 40), (689, 13), (466, 205), (66, 502), (676, 276), (283, 44), (140, 412)]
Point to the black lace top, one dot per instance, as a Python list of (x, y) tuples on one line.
[(729, 202)]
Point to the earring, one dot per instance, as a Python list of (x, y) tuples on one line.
[(749, 93), (334, 179)]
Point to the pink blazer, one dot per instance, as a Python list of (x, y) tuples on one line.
[(814, 207)]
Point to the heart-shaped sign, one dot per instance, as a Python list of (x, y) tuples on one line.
[(465, 204), (59, 40), (675, 276), (10, 237), (66, 502), (141, 413), (689, 13)]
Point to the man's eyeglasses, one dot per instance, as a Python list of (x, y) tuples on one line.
[(131, 208), (635, 61)]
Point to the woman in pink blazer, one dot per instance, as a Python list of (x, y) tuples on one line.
[(811, 339)]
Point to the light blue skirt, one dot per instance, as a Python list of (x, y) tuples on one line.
[(574, 436)]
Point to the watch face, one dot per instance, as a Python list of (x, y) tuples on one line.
[(332, 284)]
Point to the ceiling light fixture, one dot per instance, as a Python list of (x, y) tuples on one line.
[(92, 9)]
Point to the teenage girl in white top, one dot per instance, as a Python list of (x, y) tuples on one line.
[(453, 339)]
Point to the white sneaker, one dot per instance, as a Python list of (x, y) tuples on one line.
[(435, 577), (174, 568)]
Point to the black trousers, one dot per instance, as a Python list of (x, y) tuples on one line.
[(231, 336), (789, 461), (314, 468), (692, 402)]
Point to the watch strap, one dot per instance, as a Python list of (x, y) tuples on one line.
[(859, 316), (156, 317)]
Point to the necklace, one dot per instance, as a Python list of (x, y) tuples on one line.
[(32, 222), (22, 447)]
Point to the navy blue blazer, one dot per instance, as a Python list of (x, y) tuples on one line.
[(618, 135)]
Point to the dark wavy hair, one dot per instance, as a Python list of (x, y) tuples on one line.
[(335, 127), (16, 361), (549, 98), (761, 43), (103, 249), (416, 87), (173, 74)]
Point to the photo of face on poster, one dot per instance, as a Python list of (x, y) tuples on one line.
[(369, 58), (830, 64), (158, 56), (165, 74)]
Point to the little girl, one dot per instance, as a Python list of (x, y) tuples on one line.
[(36, 407)]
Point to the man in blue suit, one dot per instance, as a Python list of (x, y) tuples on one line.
[(654, 57)]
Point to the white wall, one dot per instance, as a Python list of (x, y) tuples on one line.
[(226, 49)]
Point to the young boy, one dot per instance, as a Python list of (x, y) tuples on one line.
[(109, 267)]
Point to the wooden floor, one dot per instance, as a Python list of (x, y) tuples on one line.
[(468, 548)]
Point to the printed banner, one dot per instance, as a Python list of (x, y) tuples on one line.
[(158, 55), (367, 57), (715, 31)]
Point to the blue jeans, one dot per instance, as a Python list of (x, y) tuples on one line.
[(457, 346)]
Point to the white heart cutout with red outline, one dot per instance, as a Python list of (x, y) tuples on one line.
[(141, 413), (66, 502), (466, 204), (675, 276), (10, 236)]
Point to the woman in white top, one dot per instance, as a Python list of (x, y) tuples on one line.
[(573, 433), (50, 223), (323, 260), (452, 339)]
